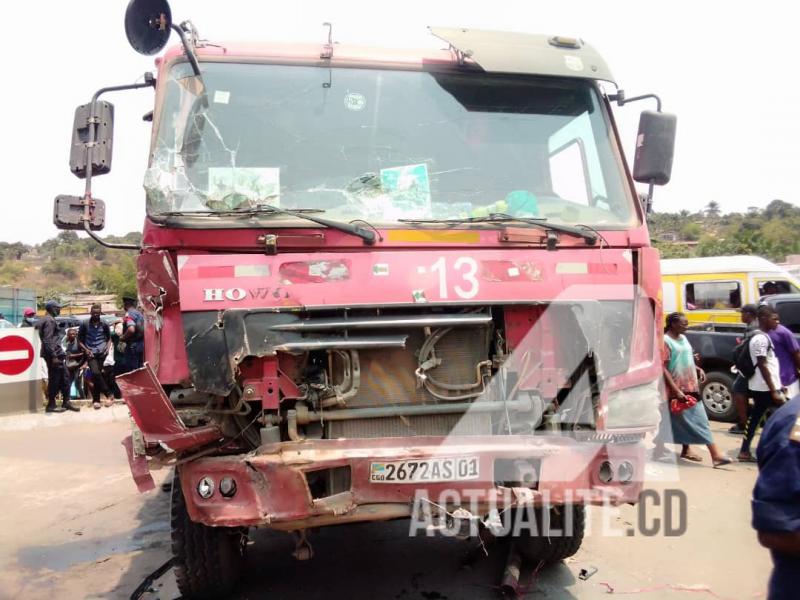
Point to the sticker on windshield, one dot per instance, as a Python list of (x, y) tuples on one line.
[(232, 188), (221, 97), (409, 190), (573, 62), (354, 101)]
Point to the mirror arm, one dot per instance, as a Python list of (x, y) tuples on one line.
[(103, 242), (621, 100), (189, 48), (149, 81)]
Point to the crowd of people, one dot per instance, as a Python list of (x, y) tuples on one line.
[(768, 365), (89, 357)]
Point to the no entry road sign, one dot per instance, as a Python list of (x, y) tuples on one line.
[(16, 354)]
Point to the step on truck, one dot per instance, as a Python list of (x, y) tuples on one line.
[(383, 284)]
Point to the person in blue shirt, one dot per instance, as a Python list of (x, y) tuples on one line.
[(776, 499), (132, 340), (94, 336)]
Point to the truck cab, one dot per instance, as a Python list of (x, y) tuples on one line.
[(384, 283)]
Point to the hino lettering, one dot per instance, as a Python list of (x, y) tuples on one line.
[(219, 294)]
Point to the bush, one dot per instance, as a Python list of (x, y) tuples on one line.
[(60, 266)]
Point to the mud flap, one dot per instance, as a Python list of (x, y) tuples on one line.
[(158, 422)]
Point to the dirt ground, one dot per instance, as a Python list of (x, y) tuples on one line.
[(73, 526)]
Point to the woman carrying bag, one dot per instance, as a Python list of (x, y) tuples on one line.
[(686, 422)]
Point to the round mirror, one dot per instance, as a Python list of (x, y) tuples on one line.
[(147, 25)]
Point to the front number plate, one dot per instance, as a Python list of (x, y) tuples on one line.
[(425, 471)]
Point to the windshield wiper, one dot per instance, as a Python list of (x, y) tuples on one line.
[(541, 222), (302, 213)]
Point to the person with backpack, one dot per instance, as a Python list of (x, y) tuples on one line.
[(760, 365), (94, 336), (741, 393), (131, 343), (687, 422)]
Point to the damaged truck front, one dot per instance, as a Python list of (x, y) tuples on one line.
[(383, 284)]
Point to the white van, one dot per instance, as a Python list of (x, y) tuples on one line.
[(713, 289)]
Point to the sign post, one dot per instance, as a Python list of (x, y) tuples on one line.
[(20, 387)]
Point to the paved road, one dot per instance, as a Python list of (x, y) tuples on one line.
[(73, 526)]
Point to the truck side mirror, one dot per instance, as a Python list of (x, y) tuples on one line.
[(655, 147), (69, 211), (103, 138)]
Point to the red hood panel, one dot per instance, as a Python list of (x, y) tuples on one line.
[(383, 278)]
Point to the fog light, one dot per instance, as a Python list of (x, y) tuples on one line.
[(205, 488), (605, 473), (227, 487), (625, 472)]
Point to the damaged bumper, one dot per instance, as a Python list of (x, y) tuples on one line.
[(271, 485)]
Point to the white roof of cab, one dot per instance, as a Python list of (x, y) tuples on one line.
[(719, 264)]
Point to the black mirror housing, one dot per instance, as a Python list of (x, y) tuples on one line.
[(103, 141), (68, 213), (655, 148)]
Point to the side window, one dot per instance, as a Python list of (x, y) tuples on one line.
[(776, 286), (713, 295), (568, 173)]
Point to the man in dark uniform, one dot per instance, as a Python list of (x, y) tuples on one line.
[(776, 499), (55, 358), (132, 340)]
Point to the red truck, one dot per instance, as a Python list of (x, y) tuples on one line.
[(385, 284)]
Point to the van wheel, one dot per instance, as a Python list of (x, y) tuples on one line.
[(717, 395), (554, 542), (208, 560)]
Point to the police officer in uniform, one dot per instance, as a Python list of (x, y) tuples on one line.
[(132, 340), (58, 380), (776, 499)]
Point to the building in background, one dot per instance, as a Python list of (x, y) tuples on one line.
[(15, 300)]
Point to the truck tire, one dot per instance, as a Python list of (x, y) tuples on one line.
[(717, 396), (536, 546), (208, 560)]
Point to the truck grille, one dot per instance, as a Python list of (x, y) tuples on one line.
[(479, 424)]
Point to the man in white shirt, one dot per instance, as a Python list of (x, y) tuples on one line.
[(765, 384)]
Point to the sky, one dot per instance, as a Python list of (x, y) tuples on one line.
[(726, 69)]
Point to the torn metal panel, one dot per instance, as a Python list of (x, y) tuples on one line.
[(156, 417), (139, 469)]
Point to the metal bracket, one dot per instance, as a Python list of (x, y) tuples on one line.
[(327, 49), (303, 549), (270, 241)]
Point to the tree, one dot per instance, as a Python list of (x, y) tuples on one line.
[(712, 209), (691, 232), (778, 209)]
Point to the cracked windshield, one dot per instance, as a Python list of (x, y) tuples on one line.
[(384, 146)]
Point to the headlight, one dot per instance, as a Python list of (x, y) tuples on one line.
[(634, 407)]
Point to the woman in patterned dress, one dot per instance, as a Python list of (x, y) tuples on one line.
[(682, 378)]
